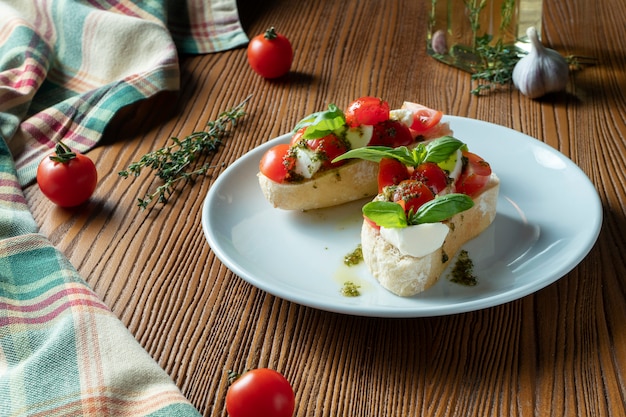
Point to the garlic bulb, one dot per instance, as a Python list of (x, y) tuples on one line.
[(541, 71)]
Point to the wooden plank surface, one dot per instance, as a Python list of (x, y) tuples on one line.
[(558, 352)]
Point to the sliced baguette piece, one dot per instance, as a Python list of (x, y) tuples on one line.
[(406, 275), (355, 180)]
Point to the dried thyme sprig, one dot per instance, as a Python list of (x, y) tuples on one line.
[(177, 162)]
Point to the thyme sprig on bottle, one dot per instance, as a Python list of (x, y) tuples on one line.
[(179, 161), (496, 63)]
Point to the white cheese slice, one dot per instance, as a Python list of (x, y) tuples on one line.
[(418, 240), (307, 162), (359, 136)]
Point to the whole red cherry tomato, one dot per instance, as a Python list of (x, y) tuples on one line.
[(66, 177), (270, 54), (260, 392)]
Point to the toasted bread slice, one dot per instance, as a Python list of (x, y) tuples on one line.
[(406, 275)]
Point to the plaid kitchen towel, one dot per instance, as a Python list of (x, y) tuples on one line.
[(62, 351), (66, 67)]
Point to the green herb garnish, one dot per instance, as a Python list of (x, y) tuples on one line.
[(441, 208), (436, 151), (386, 214), (322, 123), (391, 215), (177, 162)]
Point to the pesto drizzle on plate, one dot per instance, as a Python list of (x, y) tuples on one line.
[(355, 257), (350, 289), (463, 271)]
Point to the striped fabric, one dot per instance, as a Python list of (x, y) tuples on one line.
[(66, 67)]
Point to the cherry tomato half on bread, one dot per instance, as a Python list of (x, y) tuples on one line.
[(367, 111), (298, 136), (66, 177), (432, 175), (475, 174), (412, 195), (391, 172), (260, 392), (329, 147), (424, 118), (270, 54), (277, 163)]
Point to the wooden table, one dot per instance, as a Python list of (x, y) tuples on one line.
[(558, 352)]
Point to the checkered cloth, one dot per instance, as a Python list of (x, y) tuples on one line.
[(66, 67)]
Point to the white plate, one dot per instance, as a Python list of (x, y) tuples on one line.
[(548, 219)]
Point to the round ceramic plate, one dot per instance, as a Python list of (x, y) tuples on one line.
[(548, 219)]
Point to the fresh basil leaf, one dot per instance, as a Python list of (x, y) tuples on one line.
[(441, 208), (322, 123), (385, 214), (376, 153), (436, 151), (368, 153), (440, 149)]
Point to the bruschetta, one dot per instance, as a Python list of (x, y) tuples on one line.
[(301, 175), (432, 200)]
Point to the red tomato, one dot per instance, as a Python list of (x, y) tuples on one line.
[(277, 163), (371, 223), (424, 118), (391, 172), (259, 393), (391, 133), (413, 193), (432, 175), (474, 176), (270, 54), (297, 137), (329, 147), (67, 178), (366, 111)]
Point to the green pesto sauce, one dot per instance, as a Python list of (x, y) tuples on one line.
[(463, 271), (350, 289), (354, 258)]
